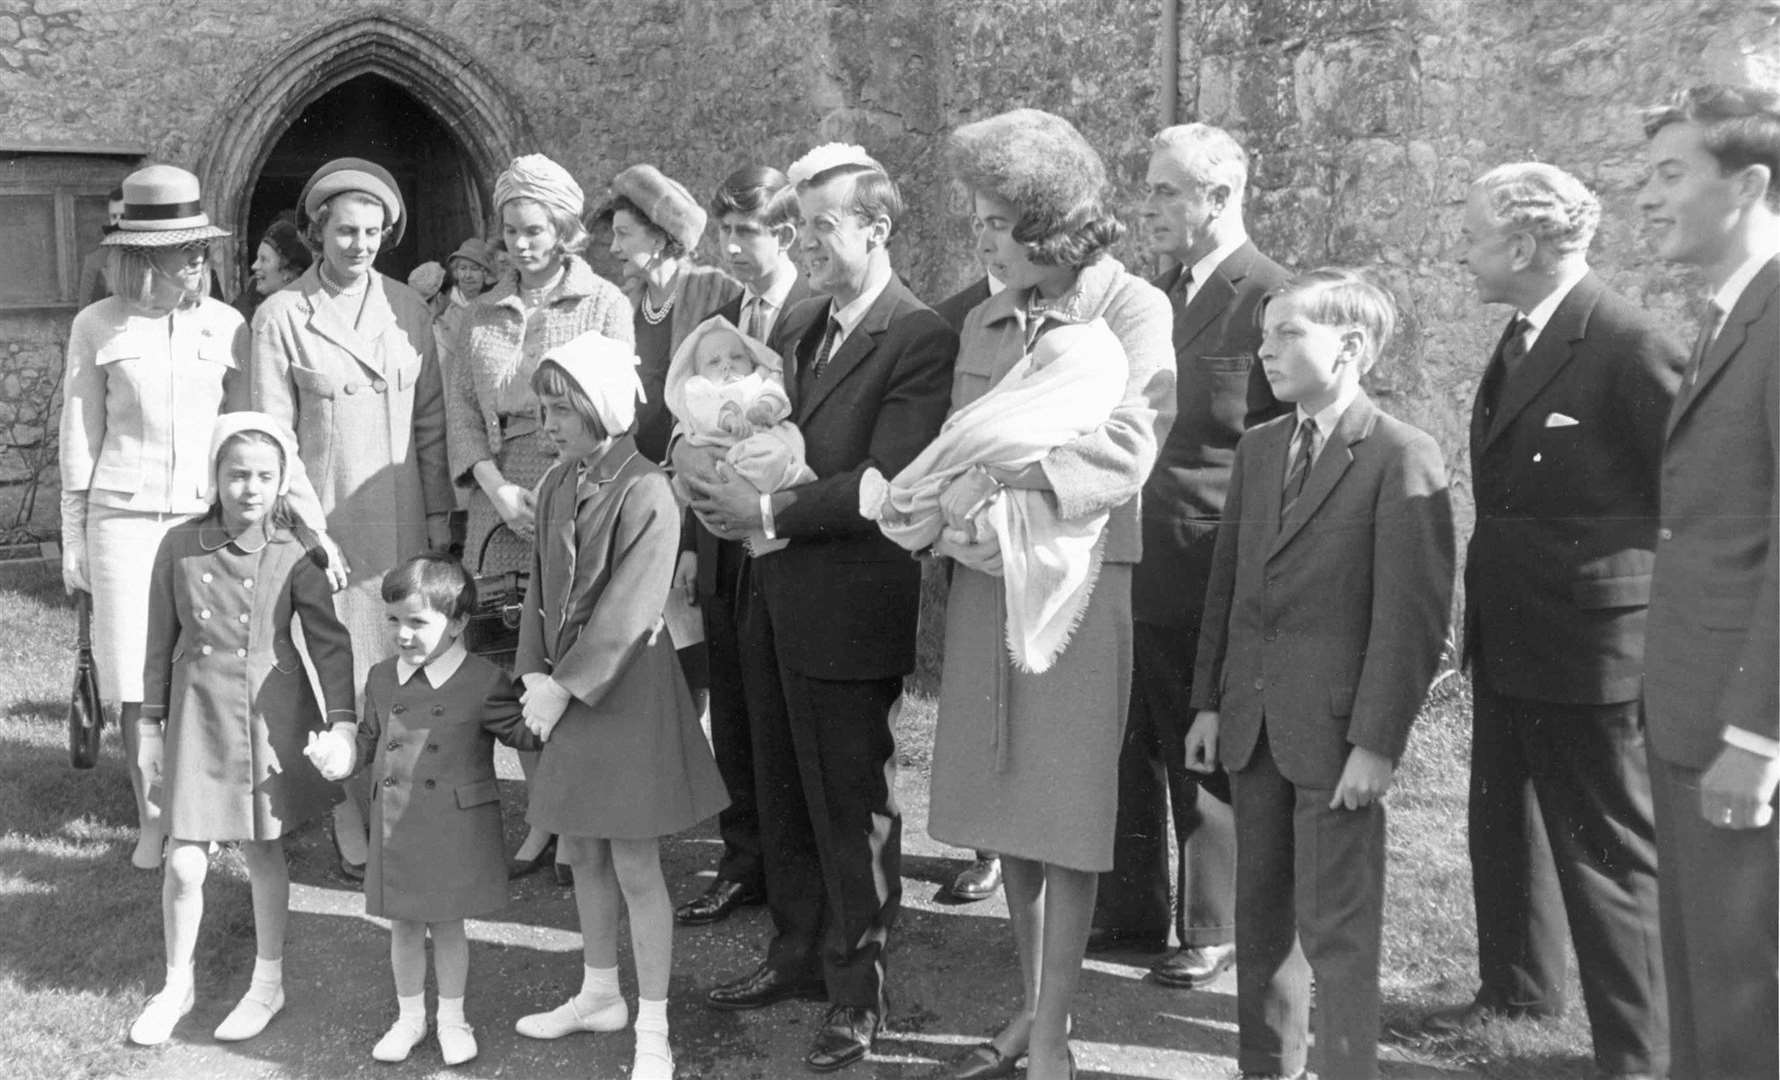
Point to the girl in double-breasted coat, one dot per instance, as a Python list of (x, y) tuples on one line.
[(224, 675), (624, 761)]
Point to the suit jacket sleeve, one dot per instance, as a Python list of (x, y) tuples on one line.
[(1412, 575), (909, 415), (329, 644), (1644, 387), (1752, 700), (644, 545), (370, 729), (1220, 592), (163, 632), (1107, 467)]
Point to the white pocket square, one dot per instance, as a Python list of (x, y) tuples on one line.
[(1558, 419)]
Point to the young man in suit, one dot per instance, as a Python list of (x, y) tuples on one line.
[(1566, 443), (1711, 706), (755, 211), (828, 628), (1192, 214), (1330, 595)]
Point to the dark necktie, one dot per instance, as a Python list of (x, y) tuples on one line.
[(1708, 331), (1301, 462), (827, 349), (1514, 350), (752, 325), (1183, 286)]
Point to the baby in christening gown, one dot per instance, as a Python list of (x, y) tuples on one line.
[(1063, 388), (728, 390)]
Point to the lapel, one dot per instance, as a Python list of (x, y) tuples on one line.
[(859, 345), (1762, 290), (800, 291), (1548, 356), (374, 318), (1488, 390), (800, 351), (1353, 427), (1213, 296)]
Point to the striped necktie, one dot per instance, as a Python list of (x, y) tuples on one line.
[(1301, 462), (1708, 331), (824, 353)]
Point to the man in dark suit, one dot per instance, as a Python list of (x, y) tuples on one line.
[(1325, 615), (1566, 441), (828, 629), (755, 211), (1711, 702), (1193, 215)]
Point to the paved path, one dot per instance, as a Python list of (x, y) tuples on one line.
[(952, 982)]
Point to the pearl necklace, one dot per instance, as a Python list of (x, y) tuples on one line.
[(653, 315)]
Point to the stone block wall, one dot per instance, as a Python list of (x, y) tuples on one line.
[(1366, 118)]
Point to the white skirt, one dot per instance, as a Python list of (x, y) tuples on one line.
[(121, 546)]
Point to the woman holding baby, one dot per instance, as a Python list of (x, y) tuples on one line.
[(1025, 758), (492, 433)]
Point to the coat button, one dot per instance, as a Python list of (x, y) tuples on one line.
[(203, 613), (438, 710), (395, 744), (1665, 534), (241, 652), (430, 785), (379, 385), (247, 583), (244, 617), (205, 650), (351, 388), (389, 781), (433, 746), (398, 708), (206, 577), (1260, 684)]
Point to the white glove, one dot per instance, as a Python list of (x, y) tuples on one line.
[(543, 704), (74, 542), (333, 752)]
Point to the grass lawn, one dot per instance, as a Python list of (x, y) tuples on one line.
[(80, 927)]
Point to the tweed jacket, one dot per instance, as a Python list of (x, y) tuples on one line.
[(496, 353), (368, 409), (1713, 646), (139, 397), (1564, 462), (1325, 624), (1105, 469)]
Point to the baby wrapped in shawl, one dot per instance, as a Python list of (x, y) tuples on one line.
[(1065, 386), (728, 390)]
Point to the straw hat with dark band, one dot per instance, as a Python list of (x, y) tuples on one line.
[(354, 174), (161, 209)]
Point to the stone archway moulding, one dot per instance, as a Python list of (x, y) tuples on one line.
[(440, 75)]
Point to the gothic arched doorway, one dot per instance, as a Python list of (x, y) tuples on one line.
[(371, 117), (380, 86)]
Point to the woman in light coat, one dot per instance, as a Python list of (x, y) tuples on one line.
[(345, 356)]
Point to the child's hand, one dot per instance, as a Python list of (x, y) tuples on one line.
[(542, 705), (333, 754), (1364, 779), (1202, 742)]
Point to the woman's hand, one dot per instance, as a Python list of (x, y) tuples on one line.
[(686, 577), (517, 507), (542, 705), (964, 496), (338, 571), (982, 556), (1202, 742), (151, 747), (74, 567)]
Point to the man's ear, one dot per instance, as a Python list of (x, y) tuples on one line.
[(1219, 196), (785, 233), (1754, 183), (878, 231)]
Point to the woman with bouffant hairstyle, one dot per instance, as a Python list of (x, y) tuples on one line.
[(1026, 762)]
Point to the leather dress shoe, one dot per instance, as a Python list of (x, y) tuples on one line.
[(846, 1036), (984, 1061), (546, 856), (717, 903), (1102, 940), (764, 986), (978, 881), (1192, 966), (1469, 1019)]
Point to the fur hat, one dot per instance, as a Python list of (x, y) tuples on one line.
[(663, 200), (1037, 161), (161, 209), (354, 174)]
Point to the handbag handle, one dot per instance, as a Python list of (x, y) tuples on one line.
[(482, 555)]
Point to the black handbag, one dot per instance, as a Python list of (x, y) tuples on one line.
[(86, 713), (493, 628)]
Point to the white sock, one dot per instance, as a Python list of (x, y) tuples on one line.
[(414, 1008), (179, 978), (451, 1011), (598, 986), (652, 1021), (268, 977)]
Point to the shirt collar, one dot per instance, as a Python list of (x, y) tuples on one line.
[(850, 316), (439, 671), (1732, 290), (212, 535), (1202, 270), (1544, 309), (775, 296), (1330, 414), (995, 283)]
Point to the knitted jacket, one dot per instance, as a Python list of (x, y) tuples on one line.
[(495, 355)]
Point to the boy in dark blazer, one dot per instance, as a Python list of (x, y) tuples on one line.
[(1330, 595)]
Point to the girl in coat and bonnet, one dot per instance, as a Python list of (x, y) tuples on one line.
[(624, 760), (224, 676)]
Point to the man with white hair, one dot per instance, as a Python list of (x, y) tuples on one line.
[(1566, 445), (1192, 215)]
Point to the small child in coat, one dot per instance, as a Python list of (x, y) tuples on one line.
[(624, 760), (226, 702), (1325, 617), (431, 715)]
